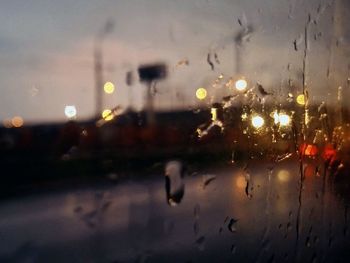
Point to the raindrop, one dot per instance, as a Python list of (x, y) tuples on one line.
[(297, 42), (207, 179), (216, 58), (283, 157), (232, 225), (307, 242), (248, 188), (233, 249), (262, 91), (196, 211), (233, 157), (266, 245), (211, 64), (200, 242), (330, 241), (34, 91), (174, 185), (314, 258)]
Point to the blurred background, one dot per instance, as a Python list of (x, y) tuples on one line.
[(174, 131), (48, 61)]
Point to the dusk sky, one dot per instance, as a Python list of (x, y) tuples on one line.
[(46, 50)]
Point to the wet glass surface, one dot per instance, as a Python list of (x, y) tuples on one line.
[(174, 131)]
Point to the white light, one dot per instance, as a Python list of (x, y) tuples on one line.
[(276, 117), (241, 84), (257, 122), (281, 118), (284, 119), (70, 111)]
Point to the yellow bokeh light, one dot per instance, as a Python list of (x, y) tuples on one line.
[(109, 87), (241, 84), (201, 93), (283, 176), (107, 115), (257, 121), (301, 99), (17, 121), (214, 114)]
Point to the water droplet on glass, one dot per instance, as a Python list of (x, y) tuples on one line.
[(283, 157), (200, 242), (307, 242), (174, 184), (297, 42), (207, 179), (232, 225), (248, 187), (233, 249), (196, 211)]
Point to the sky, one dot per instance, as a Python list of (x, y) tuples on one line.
[(46, 50)]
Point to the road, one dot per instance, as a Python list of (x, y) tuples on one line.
[(220, 219)]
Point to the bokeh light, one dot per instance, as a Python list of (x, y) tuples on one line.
[(301, 99), (284, 119), (201, 93), (257, 121), (241, 84), (283, 176), (214, 114), (109, 87), (107, 115), (70, 111), (275, 117), (17, 121)]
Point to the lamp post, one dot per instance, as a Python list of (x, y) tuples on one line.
[(98, 65)]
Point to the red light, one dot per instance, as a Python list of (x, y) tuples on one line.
[(329, 153), (308, 150)]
